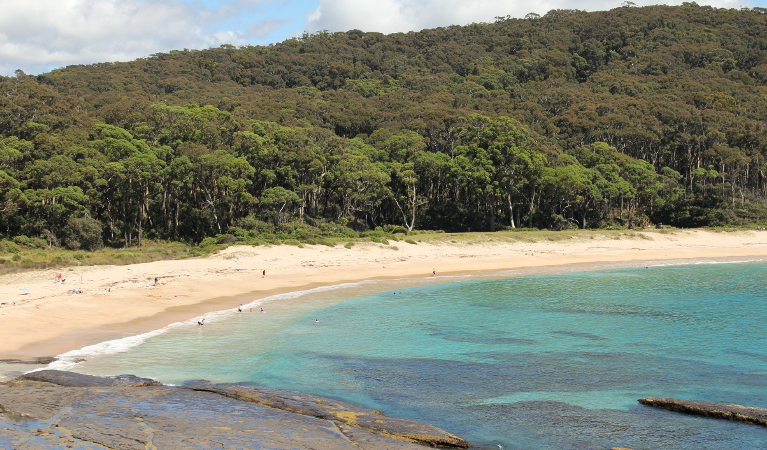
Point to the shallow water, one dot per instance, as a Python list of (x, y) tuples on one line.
[(549, 361)]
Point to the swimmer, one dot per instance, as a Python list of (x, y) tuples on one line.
[(201, 322), (262, 310), (316, 320), (239, 309)]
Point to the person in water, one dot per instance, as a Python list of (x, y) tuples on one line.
[(239, 308), (201, 322), (262, 310)]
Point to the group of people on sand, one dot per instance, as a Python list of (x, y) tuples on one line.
[(60, 278)]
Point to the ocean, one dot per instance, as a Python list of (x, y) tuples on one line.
[(545, 359)]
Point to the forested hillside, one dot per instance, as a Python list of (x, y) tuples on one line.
[(570, 119)]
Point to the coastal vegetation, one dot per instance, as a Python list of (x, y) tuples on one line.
[(570, 120), (22, 254)]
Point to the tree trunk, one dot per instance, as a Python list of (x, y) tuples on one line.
[(511, 212)]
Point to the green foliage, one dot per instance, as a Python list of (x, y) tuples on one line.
[(611, 119), (9, 247), (83, 233)]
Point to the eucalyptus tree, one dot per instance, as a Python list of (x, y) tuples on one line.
[(496, 155)]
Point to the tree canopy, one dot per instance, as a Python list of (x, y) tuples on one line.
[(569, 119)]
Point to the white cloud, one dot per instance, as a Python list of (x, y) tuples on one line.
[(389, 16), (38, 35), (262, 28)]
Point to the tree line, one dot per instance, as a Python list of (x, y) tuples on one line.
[(618, 118)]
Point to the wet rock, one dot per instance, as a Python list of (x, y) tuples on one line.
[(747, 414), (341, 413), (196, 382), (41, 360), (71, 379)]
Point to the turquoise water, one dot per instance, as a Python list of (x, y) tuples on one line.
[(554, 361)]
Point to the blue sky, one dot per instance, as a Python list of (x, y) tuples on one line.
[(40, 35)]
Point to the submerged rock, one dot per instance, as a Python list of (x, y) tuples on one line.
[(55, 409), (40, 360), (747, 414)]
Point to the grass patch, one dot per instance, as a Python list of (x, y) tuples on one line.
[(21, 258)]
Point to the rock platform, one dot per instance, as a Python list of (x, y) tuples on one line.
[(52, 409), (747, 414)]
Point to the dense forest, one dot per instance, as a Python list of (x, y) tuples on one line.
[(619, 118)]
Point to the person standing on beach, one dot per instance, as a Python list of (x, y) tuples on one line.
[(155, 281), (433, 272), (263, 273)]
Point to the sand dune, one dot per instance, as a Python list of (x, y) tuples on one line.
[(47, 318)]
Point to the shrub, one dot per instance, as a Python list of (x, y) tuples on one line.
[(373, 233), (83, 233), (9, 247), (22, 240), (226, 239), (38, 243), (252, 223), (392, 229)]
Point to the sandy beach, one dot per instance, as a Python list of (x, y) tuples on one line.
[(41, 316)]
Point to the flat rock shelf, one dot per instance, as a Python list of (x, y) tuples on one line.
[(738, 413), (56, 409)]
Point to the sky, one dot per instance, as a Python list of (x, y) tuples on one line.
[(37, 36)]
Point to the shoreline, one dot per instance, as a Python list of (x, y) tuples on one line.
[(120, 301)]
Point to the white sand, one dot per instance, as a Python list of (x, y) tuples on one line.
[(122, 300)]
